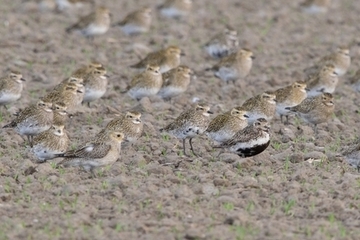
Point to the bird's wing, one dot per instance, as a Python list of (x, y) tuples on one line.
[(93, 150)]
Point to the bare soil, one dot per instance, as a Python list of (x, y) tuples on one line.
[(297, 189)]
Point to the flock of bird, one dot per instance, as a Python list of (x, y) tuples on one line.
[(244, 130)]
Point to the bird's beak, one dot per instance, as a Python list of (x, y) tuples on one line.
[(79, 91), (246, 116), (23, 79), (252, 57), (210, 112), (182, 53), (307, 89)]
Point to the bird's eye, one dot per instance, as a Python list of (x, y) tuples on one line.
[(118, 135)]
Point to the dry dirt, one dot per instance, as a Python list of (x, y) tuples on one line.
[(297, 189)]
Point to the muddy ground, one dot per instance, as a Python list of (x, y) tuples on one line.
[(297, 189)]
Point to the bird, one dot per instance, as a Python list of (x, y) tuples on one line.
[(60, 114), (33, 120), (11, 87), (235, 66), (250, 141), (189, 124), (62, 5), (289, 96), (315, 110), (96, 23), (223, 43), (69, 96), (95, 84), (146, 84), (84, 70), (340, 59), (97, 153), (260, 106), (224, 126), (79, 81), (325, 80), (166, 59), (175, 8), (315, 6), (136, 22), (48, 144), (175, 82), (129, 124)]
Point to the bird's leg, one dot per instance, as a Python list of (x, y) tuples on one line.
[(184, 147), (287, 120), (30, 140), (191, 147), (281, 118), (88, 104), (5, 107)]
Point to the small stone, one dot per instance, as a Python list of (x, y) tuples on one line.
[(296, 158), (228, 157)]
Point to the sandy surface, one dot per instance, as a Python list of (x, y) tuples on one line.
[(279, 194)]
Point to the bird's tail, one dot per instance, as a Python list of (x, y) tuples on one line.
[(10, 125)]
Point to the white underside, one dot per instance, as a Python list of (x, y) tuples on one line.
[(168, 92), (340, 72), (253, 116), (313, 9), (94, 29), (44, 154), (227, 74), (92, 95), (217, 50), (130, 29), (63, 4), (185, 133), (31, 129), (316, 91), (172, 12), (6, 98), (221, 136), (255, 142), (139, 93)]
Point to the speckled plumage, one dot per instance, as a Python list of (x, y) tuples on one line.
[(84, 70), (11, 88), (251, 140), (33, 120), (260, 106), (340, 59), (146, 84), (136, 22), (224, 126), (60, 114), (48, 144), (325, 80), (95, 83), (235, 66), (94, 154), (70, 96), (175, 82), (175, 8), (74, 79), (166, 59), (355, 81), (129, 124), (223, 43), (289, 96), (316, 110), (96, 23), (190, 123)]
